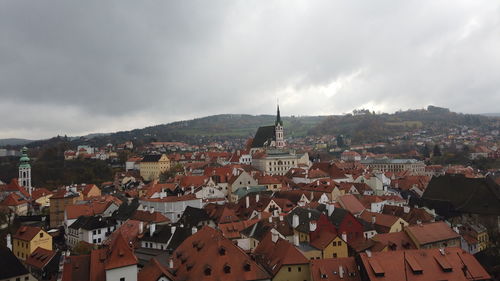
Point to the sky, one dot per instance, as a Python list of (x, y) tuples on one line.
[(78, 67)]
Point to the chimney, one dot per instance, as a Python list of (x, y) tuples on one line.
[(247, 201), (341, 272), (344, 236), (192, 189), (271, 219), (141, 227), (369, 253), (330, 208), (152, 210), (406, 209), (281, 217), (152, 229), (296, 239), (145, 208), (374, 219), (171, 263), (275, 235), (172, 229), (312, 226), (9, 241), (309, 214), (259, 215), (257, 197), (194, 230), (162, 195), (295, 221)]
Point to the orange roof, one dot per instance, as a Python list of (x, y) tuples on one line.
[(232, 230), (130, 230), (432, 232), (208, 255), (97, 258), (13, 200), (329, 269), (395, 240), (40, 192), (121, 254), (423, 264), (14, 186), (323, 239), (351, 203), (26, 232), (76, 268), (277, 254), (40, 258), (148, 216), (152, 271)]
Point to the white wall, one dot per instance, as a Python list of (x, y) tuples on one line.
[(127, 272)]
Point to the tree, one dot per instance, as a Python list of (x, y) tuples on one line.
[(437, 151), (174, 170)]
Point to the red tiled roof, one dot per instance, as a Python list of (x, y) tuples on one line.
[(232, 230), (432, 232), (130, 230), (14, 186), (26, 232), (329, 269), (40, 258), (423, 264), (153, 270), (13, 200), (208, 255), (322, 239), (121, 254), (395, 240), (76, 268), (40, 192), (277, 254), (148, 216), (351, 203)]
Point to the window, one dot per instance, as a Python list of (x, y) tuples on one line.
[(94, 232), (41, 234), (289, 269), (122, 279), (99, 231), (299, 269)]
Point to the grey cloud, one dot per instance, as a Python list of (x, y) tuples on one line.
[(117, 64)]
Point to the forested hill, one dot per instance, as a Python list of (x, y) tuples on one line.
[(360, 126), (365, 126)]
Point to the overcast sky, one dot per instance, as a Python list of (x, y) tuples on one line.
[(77, 67)]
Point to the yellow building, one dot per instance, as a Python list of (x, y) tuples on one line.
[(27, 239), (152, 166), (58, 203), (284, 259), (330, 245)]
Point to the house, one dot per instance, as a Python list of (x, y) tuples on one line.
[(43, 263), (351, 204), (207, 254), (433, 235), (329, 243), (90, 229), (58, 202), (27, 239), (394, 241), (114, 262), (16, 204), (346, 223), (281, 259), (411, 215), (421, 264), (384, 223), (335, 269), (12, 268), (152, 166), (172, 206), (41, 196)]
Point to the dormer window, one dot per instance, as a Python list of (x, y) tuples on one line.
[(208, 271), (227, 269), (222, 251), (247, 267)]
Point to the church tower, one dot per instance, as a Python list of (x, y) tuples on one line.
[(25, 170), (278, 129)]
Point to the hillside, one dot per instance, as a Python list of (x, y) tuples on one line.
[(365, 126), (13, 142)]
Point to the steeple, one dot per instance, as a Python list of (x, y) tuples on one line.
[(278, 117), (25, 170)]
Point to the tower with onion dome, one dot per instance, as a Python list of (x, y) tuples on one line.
[(25, 170)]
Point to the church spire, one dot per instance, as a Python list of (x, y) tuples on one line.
[(278, 117)]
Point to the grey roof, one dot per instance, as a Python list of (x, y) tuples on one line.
[(11, 266), (92, 222), (338, 216), (452, 194), (151, 158), (389, 161), (257, 231), (305, 216), (193, 216), (263, 135), (162, 234)]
